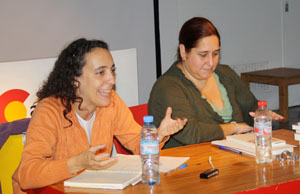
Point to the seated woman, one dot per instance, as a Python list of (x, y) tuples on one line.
[(77, 115), (211, 96)]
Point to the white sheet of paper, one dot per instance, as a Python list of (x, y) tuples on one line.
[(167, 163)]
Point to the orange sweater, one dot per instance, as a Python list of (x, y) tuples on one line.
[(49, 144)]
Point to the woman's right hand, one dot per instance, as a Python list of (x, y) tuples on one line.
[(89, 159), (235, 128)]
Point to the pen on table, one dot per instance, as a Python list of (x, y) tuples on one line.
[(180, 168), (230, 149)]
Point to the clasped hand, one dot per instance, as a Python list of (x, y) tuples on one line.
[(230, 128), (274, 115)]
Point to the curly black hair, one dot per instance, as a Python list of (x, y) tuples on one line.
[(61, 81)]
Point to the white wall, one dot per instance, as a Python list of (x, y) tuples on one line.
[(255, 33), (251, 35), (291, 44), (35, 29)]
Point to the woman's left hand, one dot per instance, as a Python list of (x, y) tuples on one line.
[(274, 115), (169, 126)]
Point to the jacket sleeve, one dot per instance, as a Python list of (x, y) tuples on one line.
[(127, 130), (38, 167), (203, 123)]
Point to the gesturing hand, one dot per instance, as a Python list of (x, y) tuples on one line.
[(89, 159), (169, 126)]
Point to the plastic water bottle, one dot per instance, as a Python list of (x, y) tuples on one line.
[(150, 152), (263, 133)]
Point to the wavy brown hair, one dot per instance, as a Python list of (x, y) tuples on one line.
[(61, 81)]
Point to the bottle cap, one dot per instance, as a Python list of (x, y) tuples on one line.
[(148, 119), (262, 104)]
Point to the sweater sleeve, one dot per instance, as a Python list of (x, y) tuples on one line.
[(127, 130), (202, 125), (38, 167)]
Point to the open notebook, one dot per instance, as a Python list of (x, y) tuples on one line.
[(126, 171), (245, 143), (117, 176)]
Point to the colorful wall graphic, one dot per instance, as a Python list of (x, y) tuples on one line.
[(12, 105), (19, 82)]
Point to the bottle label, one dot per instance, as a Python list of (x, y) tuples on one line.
[(149, 147), (262, 129)]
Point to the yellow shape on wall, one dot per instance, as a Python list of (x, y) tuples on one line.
[(14, 111), (10, 156)]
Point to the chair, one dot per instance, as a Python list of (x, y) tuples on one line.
[(138, 113)]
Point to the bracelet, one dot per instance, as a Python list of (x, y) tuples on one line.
[(236, 126)]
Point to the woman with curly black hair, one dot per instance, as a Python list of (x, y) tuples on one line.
[(77, 115)]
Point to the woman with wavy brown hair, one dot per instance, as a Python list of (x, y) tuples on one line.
[(76, 117)]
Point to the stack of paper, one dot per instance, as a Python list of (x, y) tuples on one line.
[(118, 176), (296, 127), (126, 171), (248, 139), (245, 143)]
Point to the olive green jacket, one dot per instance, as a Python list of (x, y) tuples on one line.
[(175, 90)]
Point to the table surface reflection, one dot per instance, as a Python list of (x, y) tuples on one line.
[(238, 172)]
